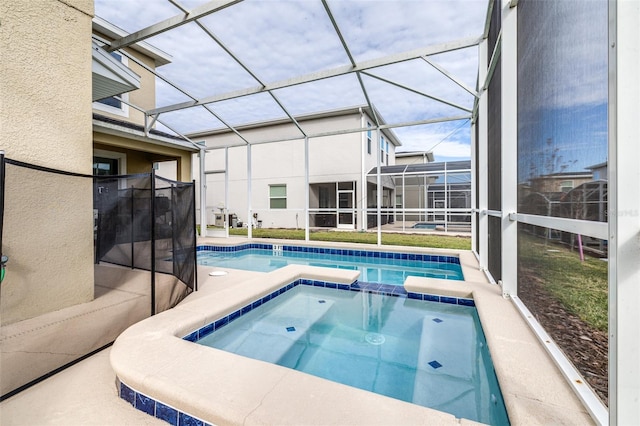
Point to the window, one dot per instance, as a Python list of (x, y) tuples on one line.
[(278, 196), (566, 185), (111, 104), (382, 149), (105, 166), (368, 139)]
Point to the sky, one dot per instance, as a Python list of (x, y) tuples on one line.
[(279, 40)]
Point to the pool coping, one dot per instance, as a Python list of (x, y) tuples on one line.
[(152, 359)]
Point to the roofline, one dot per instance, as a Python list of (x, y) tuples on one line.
[(115, 129), (358, 109), (107, 28), (428, 154)]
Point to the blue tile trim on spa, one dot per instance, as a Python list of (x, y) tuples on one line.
[(178, 418), (157, 409), (340, 252)]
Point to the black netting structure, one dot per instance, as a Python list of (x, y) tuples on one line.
[(147, 222)]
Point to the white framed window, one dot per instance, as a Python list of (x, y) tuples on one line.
[(566, 185), (111, 104), (382, 149), (368, 139), (277, 196)]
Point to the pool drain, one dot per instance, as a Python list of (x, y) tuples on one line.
[(374, 338)]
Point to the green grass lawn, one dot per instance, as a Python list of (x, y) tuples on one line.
[(582, 287), (414, 240)]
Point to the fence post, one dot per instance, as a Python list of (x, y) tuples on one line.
[(195, 240), (2, 173), (153, 241)]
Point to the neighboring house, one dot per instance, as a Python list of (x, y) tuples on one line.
[(426, 191), (560, 182), (122, 141), (340, 187)]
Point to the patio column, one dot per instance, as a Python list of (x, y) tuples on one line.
[(483, 182), (509, 149), (203, 193), (306, 186), (249, 216), (624, 212)]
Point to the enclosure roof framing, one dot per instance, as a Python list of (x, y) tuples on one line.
[(364, 70)]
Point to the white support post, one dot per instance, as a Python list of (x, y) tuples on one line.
[(363, 170), (226, 191), (483, 158), (249, 213), (624, 213), (379, 186), (203, 193), (306, 187), (474, 154), (509, 148)]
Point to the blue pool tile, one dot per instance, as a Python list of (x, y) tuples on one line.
[(435, 364), (317, 283), (234, 315), (266, 298), (438, 320), (166, 413), (127, 394), (221, 322), (431, 298), (400, 291), (246, 309), (331, 285), (450, 300), (256, 304), (187, 420), (386, 288), (466, 302), (146, 404), (205, 331), (192, 337), (344, 286), (416, 296), (290, 329)]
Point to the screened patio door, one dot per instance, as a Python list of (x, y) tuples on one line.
[(346, 202)]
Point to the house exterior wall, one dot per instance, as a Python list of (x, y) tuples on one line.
[(335, 158), (140, 155), (48, 229)]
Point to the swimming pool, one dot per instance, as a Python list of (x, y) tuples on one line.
[(429, 354), (374, 266)]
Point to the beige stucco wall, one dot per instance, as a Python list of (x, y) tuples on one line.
[(45, 78), (141, 159)]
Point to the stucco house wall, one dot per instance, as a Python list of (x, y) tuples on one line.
[(48, 225), (334, 158)]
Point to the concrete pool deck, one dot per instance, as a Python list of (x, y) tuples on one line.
[(151, 357)]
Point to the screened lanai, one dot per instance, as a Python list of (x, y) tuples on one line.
[(534, 85), (516, 90)]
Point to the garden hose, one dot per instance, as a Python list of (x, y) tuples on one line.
[(3, 263)]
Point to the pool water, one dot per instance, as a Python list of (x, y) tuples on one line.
[(426, 353), (372, 269)]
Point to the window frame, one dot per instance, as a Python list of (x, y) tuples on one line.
[(273, 198)]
